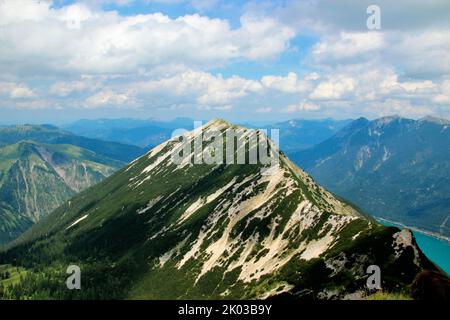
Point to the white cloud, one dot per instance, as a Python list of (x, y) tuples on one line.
[(348, 90), (226, 107), (261, 38), (417, 54), (325, 16), (391, 84), (80, 55), (302, 106), (65, 88), (19, 11), (348, 45), (290, 83), (366, 84), (21, 92), (334, 88), (398, 107), (204, 87), (312, 76), (108, 98), (81, 39), (35, 104), (420, 54), (15, 91), (443, 97)]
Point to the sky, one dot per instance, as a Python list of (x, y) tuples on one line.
[(64, 60)]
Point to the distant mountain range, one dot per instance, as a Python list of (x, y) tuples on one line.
[(159, 229), (42, 166), (295, 134), (143, 133), (391, 167)]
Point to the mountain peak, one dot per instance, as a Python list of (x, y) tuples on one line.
[(217, 122), (218, 230), (386, 120), (435, 120)]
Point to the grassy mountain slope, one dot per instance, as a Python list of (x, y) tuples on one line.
[(395, 168), (36, 178), (164, 230)]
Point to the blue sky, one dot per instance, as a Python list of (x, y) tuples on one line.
[(258, 60)]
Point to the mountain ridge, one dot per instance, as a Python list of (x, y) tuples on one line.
[(295, 134), (205, 231)]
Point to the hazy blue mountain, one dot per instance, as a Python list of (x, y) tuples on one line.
[(142, 133), (52, 135), (163, 230), (391, 167), (295, 134)]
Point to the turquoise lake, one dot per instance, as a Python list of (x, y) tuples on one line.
[(435, 249)]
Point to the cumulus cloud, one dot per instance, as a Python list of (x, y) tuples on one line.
[(83, 55), (398, 107), (443, 96), (65, 88), (29, 104), (348, 45), (290, 83), (15, 91), (420, 54), (325, 17), (302, 106), (78, 38), (226, 107), (334, 88), (390, 85), (108, 98), (204, 87)]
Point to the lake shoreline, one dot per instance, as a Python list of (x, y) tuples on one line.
[(425, 232)]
